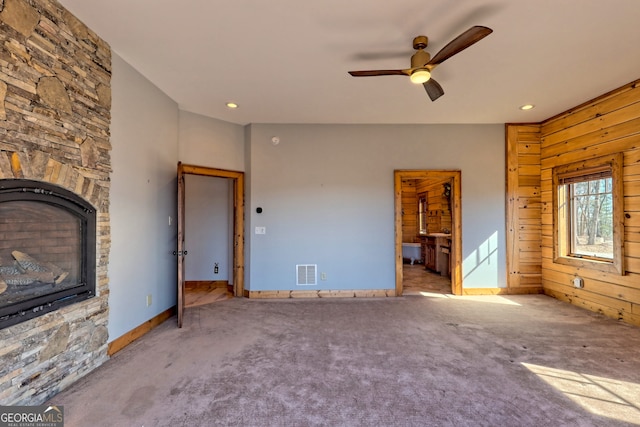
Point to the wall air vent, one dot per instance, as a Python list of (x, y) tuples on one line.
[(306, 274)]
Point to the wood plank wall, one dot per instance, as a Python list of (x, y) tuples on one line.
[(438, 212), (609, 124), (606, 125), (524, 208), (409, 211), (437, 206)]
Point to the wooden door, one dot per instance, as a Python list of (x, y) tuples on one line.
[(238, 227), (181, 251)]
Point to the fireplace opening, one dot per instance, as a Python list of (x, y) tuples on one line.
[(47, 249)]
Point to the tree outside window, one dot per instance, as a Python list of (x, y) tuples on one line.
[(591, 219), (588, 220)]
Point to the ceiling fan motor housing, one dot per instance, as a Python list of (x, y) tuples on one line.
[(420, 59)]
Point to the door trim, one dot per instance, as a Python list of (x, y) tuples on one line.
[(456, 222), (238, 217)]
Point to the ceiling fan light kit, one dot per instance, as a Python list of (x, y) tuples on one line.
[(422, 64), (419, 76)]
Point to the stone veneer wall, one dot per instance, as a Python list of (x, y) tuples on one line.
[(55, 99)]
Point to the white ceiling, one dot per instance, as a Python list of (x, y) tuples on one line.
[(286, 61)]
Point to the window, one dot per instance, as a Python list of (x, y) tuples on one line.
[(422, 213), (591, 217), (588, 221)]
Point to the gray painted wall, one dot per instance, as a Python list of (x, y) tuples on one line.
[(210, 142), (144, 136), (208, 227), (213, 143), (327, 195)]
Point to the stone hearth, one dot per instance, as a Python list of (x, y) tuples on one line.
[(55, 99)]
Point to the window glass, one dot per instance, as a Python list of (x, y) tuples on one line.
[(422, 213), (591, 219), (589, 207)]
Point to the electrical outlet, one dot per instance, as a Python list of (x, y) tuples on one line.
[(323, 276), (149, 299), (578, 282), (216, 269)]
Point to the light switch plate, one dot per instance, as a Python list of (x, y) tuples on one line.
[(261, 230)]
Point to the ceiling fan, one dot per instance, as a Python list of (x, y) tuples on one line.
[(422, 64)]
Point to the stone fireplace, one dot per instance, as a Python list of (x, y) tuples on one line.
[(55, 100), (47, 249)]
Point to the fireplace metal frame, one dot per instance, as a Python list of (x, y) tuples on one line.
[(23, 189)]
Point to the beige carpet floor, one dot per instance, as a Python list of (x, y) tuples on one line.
[(408, 361)]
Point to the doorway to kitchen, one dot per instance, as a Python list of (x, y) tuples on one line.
[(428, 222)]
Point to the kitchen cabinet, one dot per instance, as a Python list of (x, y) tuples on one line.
[(430, 253), (435, 252)]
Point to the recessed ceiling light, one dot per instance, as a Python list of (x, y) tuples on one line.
[(526, 107), (231, 105)]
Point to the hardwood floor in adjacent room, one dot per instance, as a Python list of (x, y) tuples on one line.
[(417, 279), (200, 293)]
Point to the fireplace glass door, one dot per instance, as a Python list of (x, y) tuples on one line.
[(45, 256)]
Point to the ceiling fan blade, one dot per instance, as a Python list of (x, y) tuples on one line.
[(433, 88), (380, 73), (460, 43)]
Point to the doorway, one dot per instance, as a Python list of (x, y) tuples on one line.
[(237, 264), (433, 178)]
